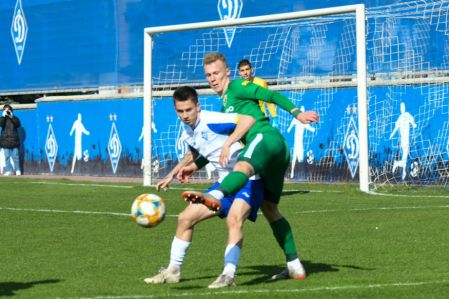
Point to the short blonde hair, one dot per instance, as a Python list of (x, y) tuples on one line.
[(214, 56)]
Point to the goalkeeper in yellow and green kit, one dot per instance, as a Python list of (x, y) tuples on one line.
[(266, 153), (246, 72)]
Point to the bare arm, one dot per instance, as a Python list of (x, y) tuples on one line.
[(244, 124), (165, 182)]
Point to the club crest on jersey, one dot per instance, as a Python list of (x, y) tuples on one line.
[(225, 100), (230, 109)]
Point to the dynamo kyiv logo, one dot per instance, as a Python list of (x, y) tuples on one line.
[(114, 144), (19, 30), (351, 147), (51, 145), (229, 10)]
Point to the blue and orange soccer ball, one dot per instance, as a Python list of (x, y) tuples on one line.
[(148, 210)]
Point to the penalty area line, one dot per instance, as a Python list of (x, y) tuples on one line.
[(407, 195), (84, 185), (279, 291), (71, 212), (373, 209)]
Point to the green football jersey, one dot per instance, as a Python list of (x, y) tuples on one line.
[(243, 97)]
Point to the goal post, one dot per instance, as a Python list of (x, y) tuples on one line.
[(361, 75)]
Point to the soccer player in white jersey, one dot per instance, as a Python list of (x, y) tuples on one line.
[(205, 133)]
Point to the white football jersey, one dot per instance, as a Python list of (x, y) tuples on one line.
[(209, 135)]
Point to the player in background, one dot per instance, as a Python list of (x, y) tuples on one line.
[(246, 71), (266, 153), (205, 133)]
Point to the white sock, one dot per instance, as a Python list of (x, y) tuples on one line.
[(231, 259), (217, 194), (295, 265), (177, 253)]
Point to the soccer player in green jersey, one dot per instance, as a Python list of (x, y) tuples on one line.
[(266, 153)]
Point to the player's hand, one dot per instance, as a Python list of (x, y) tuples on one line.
[(308, 117), (164, 183), (186, 172), (224, 155)]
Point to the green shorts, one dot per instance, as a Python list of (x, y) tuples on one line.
[(269, 155)]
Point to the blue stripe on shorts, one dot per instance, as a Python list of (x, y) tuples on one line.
[(252, 193)]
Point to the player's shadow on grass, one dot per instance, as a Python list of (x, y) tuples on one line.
[(11, 287), (267, 272), (264, 273), (293, 192)]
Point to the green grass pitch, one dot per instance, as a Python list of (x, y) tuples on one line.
[(67, 239)]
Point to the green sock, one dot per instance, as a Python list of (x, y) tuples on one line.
[(283, 234), (233, 182)]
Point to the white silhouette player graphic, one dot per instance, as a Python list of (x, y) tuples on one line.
[(79, 130), (209, 170), (298, 147), (405, 120)]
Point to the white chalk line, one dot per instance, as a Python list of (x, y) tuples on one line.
[(83, 185), (299, 212), (170, 188), (373, 209), (73, 212), (271, 290), (408, 195)]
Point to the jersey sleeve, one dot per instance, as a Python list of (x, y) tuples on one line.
[(222, 123), (253, 91)]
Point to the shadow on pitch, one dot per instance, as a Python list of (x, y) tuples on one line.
[(293, 192), (9, 288), (266, 272)]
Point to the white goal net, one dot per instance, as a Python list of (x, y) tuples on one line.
[(313, 60)]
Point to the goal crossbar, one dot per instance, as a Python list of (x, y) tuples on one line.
[(357, 9)]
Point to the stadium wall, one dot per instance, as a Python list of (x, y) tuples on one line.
[(60, 45), (98, 136)]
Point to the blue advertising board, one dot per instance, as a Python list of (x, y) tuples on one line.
[(50, 45)]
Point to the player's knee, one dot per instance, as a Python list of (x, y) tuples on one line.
[(245, 167), (185, 220), (270, 211), (234, 221)]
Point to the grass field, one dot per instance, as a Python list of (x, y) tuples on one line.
[(67, 239)]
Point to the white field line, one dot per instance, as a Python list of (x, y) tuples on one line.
[(373, 209), (300, 212), (286, 190), (408, 195), (83, 185), (72, 212), (278, 291), (172, 188)]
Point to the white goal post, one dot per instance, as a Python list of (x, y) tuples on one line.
[(358, 10)]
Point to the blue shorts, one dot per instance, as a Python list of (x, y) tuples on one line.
[(252, 193)]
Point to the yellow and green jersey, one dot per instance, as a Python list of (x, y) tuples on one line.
[(271, 107)]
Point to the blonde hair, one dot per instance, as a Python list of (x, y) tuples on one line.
[(214, 56)]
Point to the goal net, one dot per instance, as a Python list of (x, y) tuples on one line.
[(396, 134)]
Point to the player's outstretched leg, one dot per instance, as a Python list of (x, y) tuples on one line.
[(164, 276), (202, 198)]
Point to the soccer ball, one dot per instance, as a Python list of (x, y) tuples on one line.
[(148, 210)]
